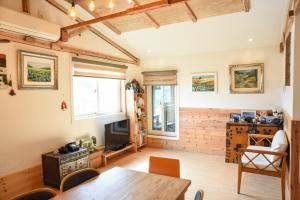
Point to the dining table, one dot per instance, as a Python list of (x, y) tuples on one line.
[(125, 184)]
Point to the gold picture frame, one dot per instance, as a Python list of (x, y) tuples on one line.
[(246, 78), (37, 71)]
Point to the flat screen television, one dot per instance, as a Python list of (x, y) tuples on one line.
[(117, 135)]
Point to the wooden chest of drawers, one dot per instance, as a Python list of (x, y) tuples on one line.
[(57, 166), (237, 137)]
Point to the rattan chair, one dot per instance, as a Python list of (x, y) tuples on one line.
[(77, 178), (37, 194)]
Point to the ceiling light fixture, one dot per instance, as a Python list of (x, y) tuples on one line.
[(72, 11), (129, 1), (149, 51), (250, 40), (92, 5), (111, 4)]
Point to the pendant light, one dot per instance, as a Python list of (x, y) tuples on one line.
[(111, 4), (72, 11), (92, 5)]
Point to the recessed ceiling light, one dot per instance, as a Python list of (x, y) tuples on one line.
[(149, 51), (250, 40)]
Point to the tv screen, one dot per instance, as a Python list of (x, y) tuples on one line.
[(117, 135)]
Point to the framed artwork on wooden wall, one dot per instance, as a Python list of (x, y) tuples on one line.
[(37, 71), (204, 82), (247, 78)]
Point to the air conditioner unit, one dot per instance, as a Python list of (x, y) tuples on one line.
[(24, 24)]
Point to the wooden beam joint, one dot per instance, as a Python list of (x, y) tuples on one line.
[(134, 10)]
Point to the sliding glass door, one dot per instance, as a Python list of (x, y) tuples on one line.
[(163, 110)]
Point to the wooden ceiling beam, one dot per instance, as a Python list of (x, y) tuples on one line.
[(85, 7), (26, 6), (190, 12), (246, 4), (57, 46), (155, 23), (129, 11), (96, 32)]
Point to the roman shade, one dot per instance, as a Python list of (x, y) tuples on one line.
[(168, 77), (96, 69)]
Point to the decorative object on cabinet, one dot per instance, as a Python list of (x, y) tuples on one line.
[(57, 166), (247, 78), (137, 113), (204, 83), (37, 71), (237, 137), (88, 143)]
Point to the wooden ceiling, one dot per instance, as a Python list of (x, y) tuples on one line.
[(191, 10)]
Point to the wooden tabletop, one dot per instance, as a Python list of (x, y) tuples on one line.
[(120, 183)]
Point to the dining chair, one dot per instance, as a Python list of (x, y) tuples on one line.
[(199, 195), (164, 166), (37, 194), (77, 178)]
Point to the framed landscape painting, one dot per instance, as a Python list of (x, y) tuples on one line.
[(247, 78), (204, 83), (37, 71)]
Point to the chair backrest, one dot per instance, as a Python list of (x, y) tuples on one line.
[(199, 195), (164, 166), (279, 144), (37, 194), (77, 178)]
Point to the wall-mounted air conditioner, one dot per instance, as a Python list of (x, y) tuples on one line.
[(20, 23)]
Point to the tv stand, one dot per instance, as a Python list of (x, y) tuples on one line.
[(132, 147)]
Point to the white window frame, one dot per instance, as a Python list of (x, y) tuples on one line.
[(162, 134), (98, 114)]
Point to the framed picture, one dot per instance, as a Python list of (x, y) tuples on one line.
[(37, 71), (248, 114), (247, 78), (204, 83), (3, 72)]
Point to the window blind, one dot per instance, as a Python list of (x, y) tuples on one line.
[(90, 68), (168, 77)]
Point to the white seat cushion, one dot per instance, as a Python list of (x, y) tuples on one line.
[(260, 160), (279, 144)]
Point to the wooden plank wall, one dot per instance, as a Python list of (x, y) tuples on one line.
[(201, 130), (20, 182), (292, 129)]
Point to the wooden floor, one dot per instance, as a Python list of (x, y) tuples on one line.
[(208, 172)]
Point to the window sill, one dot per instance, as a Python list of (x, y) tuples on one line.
[(103, 116), (163, 137)]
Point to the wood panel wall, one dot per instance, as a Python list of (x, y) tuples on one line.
[(200, 130), (20, 182), (292, 128)]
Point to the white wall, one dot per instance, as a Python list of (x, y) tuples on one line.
[(219, 62), (287, 98), (32, 122)]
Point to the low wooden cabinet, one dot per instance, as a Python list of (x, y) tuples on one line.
[(57, 166), (237, 137)]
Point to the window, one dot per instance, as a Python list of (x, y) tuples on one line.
[(163, 111), (97, 96)]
